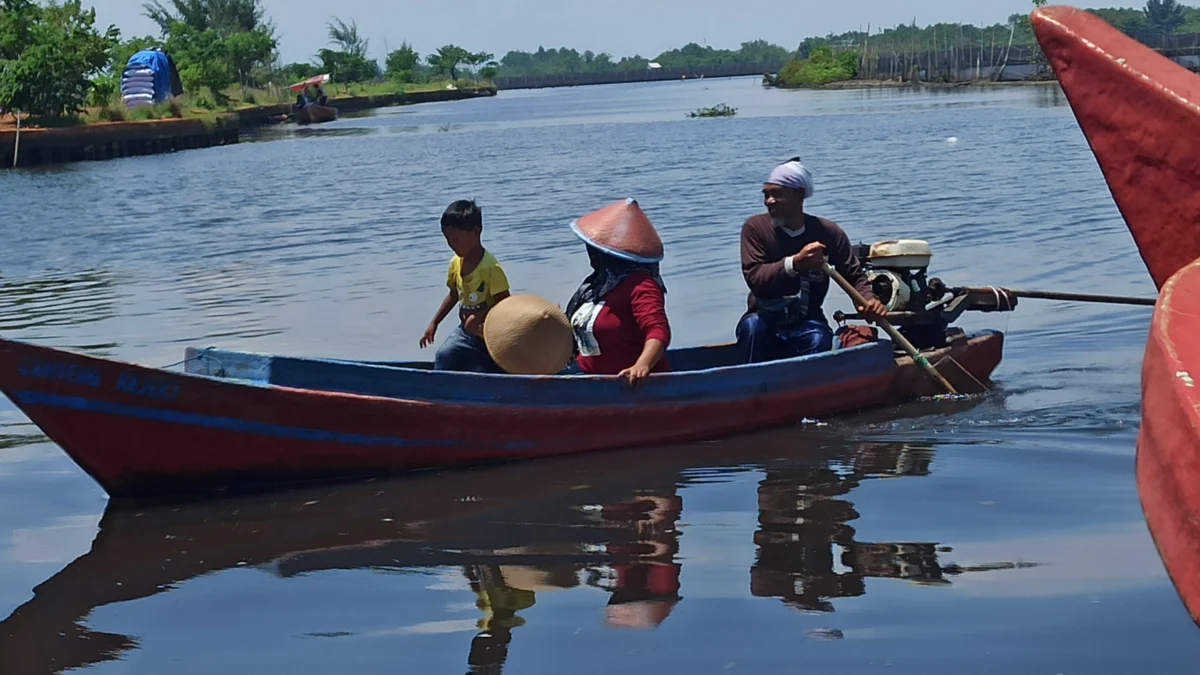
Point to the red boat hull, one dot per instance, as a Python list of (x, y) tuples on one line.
[(142, 432), (1140, 112), (1168, 461)]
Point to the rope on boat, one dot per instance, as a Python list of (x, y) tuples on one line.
[(202, 355)]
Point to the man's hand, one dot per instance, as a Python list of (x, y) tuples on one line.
[(810, 257), (873, 311)]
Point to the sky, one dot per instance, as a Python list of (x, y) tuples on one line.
[(619, 27)]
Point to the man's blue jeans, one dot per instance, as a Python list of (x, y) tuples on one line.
[(760, 341)]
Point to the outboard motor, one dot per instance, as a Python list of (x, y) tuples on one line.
[(897, 271), (920, 307)]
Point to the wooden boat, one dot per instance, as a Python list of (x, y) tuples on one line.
[(144, 432), (1140, 112), (315, 114)]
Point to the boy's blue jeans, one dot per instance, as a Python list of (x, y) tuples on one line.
[(465, 353)]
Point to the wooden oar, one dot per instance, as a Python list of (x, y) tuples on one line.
[(860, 301)]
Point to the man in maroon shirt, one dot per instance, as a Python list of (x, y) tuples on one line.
[(782, 252)]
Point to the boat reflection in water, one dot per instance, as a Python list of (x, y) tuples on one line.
[(607, 520), (802, 520)]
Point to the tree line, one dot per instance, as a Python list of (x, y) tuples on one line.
[(55, 61), (1156, 19)]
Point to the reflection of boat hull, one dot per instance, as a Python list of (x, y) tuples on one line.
[(315, 114), (559, 517), (143, 432), (1140, 112)]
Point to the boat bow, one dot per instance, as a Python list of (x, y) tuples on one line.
[(1140, 112)]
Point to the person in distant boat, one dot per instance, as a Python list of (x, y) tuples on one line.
[(477, 282), (618, 313), (320, 93), (782, 251), (301, 100)]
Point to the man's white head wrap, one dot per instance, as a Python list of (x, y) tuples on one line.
[(793, 174)]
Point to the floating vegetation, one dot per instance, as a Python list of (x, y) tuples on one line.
[(719, 110)]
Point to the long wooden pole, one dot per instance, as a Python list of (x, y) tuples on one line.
[(860, 301), (1070, 297)]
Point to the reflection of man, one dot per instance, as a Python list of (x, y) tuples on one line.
[(782, 253), (800, 522), (802, 519)]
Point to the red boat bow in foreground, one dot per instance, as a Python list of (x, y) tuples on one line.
[(1140, 112)]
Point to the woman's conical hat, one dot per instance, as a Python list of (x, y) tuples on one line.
[(622, 230), (528, 335)]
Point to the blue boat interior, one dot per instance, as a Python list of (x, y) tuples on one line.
[(706, 373), (681, 360)]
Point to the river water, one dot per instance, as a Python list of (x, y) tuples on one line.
[(1002, 537)]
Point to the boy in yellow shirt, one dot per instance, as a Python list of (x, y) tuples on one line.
[(476, 280)]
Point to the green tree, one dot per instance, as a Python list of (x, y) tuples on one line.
[(347, 67), (1164, 16), (447, 59), (489, 70), (347, 37), (224, 16), (203, 59), (476, 59), (821, 67), (762, 52), (49, 56), (402, 62), (246, 51)]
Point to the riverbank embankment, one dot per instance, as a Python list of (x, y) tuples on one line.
[(110, 140)]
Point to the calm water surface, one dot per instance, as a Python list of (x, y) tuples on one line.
[(1002, 537)]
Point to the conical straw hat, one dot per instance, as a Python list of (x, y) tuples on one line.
[(622, 230), (528, 335)]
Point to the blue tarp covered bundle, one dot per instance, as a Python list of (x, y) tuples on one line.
[(149, 77)]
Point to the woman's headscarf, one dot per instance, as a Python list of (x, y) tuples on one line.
[(608, 271)]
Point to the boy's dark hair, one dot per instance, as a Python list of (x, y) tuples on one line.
[(463, 215)]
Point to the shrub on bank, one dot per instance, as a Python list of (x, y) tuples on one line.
[(820, 68)]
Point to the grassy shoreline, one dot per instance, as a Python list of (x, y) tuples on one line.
[(111, 139), (894, 84), (240, 104)]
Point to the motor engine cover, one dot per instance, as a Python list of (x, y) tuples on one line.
[(892, 289), (900, 254)]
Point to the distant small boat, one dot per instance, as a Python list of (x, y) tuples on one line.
[(315, 114)]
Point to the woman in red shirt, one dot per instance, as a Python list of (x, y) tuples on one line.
[(619, 313)]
